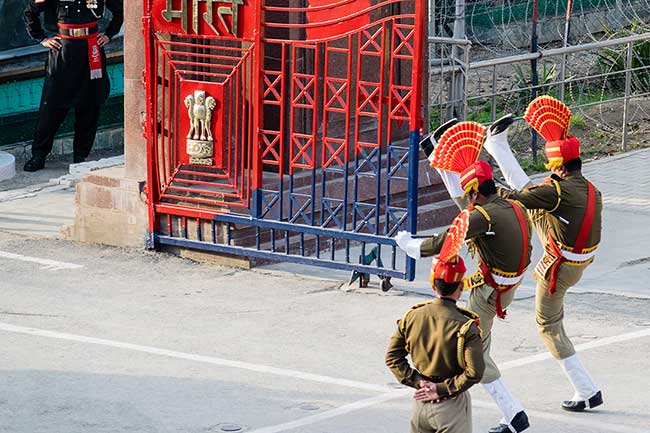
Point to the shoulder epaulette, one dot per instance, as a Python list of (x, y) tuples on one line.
[(460, 348), (468, 313), (402, 323), (483, 212), (554, 181)]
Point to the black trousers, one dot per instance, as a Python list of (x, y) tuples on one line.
[(49, 121)]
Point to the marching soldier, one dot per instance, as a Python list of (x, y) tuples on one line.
[(75, 70), (445, 347), (499, 231), (566, 212)]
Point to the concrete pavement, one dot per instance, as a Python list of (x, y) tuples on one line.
[(112, 340), (103, 339)]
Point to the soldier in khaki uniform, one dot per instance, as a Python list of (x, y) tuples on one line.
[(566, 211), (500, 232), (445, 347)]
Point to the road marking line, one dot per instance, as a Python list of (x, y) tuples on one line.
[(198, 358), (576, 419), (50, 265), (341, 410), (585, 346)]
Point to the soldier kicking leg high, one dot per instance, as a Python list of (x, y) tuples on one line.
[(566, 211), (499, 231)]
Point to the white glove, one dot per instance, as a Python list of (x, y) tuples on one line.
[(497, 146), (407, 244)]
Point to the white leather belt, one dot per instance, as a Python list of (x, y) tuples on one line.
[(506, 281), (574, 257)]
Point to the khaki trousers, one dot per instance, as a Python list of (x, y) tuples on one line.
[(482, 300), (450, 416), (549, 310)]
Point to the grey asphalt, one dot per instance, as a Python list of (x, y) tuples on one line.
[(190, 347), (115, 340)]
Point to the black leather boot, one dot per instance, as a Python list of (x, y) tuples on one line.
[(34, 164), (519, 423), (580, 406), (501, 124)]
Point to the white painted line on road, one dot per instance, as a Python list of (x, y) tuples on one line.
[(341, 410), (576, 419), (580, 347), (50, 265), (198, 358)]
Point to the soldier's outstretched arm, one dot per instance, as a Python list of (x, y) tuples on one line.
[(545, 196), (431, 246), (496, 144), (474, 367), (398, 364)]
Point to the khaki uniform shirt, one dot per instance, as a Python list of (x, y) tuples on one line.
[(501, 250), (562, 204), (429, 332)]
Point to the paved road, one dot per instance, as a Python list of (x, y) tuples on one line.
[(109, 340)]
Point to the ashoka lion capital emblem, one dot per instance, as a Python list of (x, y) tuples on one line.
[(200, 144)]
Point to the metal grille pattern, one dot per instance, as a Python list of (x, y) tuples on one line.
[(319, 138)]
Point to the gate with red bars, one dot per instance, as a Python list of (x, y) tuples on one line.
[(285, 130)]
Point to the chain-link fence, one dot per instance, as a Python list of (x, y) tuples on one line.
[(505, 27), (606, 83)]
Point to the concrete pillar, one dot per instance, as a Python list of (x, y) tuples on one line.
[(134, 95), (110, 204)]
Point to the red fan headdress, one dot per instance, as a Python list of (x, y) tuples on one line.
[(459, 147), (551, 118), (448, 265), (458, 150)]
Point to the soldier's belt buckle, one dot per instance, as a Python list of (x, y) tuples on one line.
[(79, 32)]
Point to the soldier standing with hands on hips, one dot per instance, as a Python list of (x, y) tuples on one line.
[(75, 70)]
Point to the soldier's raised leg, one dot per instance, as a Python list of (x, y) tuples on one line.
[(483, 298), (566, 257)]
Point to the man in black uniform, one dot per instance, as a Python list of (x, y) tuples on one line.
[(75, 70)]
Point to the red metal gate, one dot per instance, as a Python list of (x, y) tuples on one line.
[(285, 130)]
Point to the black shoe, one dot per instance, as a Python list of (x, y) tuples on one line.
[(519, 423), (427, 143), (580, 406), (34, 164), (501, 124), (78, 159)]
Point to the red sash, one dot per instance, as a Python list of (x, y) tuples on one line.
[(94, 51), (553, 248)]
